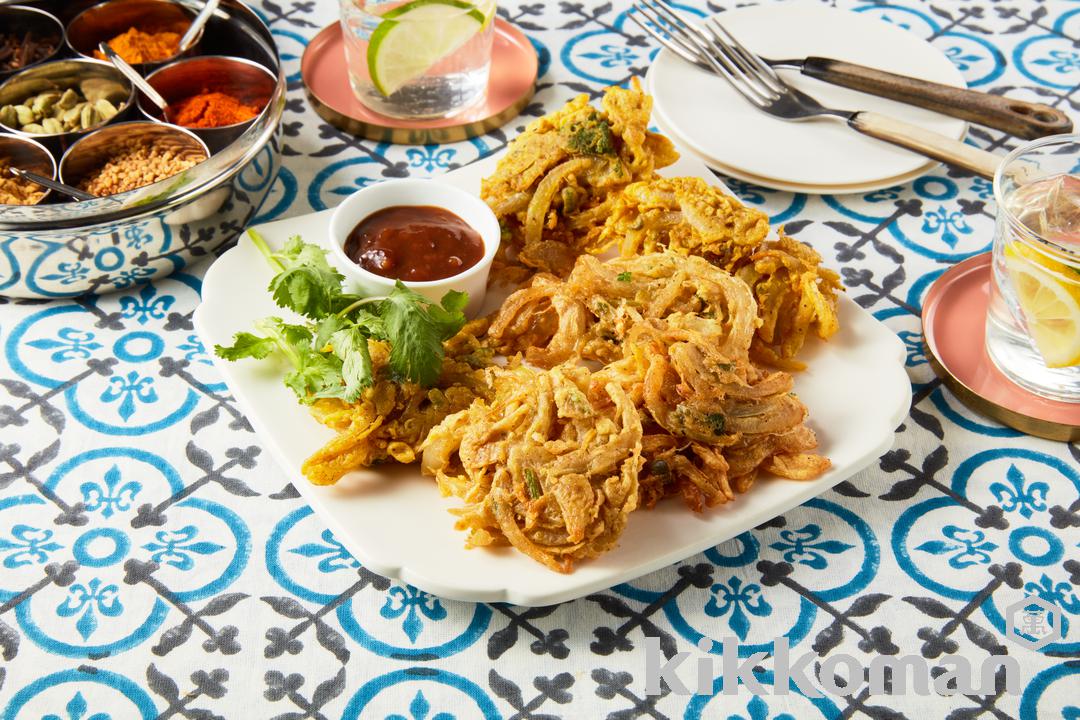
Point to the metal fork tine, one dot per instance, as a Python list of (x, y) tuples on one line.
[(703, 46), (675, 18), (743, 66), (746, 52), (738, 66), (657, 29), (676, 39), (746, 59), (709, 49)]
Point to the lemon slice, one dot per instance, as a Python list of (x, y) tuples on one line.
[(1050, 303), (412, 38)]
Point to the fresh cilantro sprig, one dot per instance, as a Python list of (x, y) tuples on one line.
[(329, 354)]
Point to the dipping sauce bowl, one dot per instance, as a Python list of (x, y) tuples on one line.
[(92, 152), (247, 81), (425, 193), (25, 154), (83, 76), (22, 26), (103, 22)]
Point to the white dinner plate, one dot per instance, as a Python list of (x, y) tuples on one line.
[(857, 188), (716, 123), (397, 524)]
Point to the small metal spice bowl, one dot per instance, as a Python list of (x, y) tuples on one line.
[(247, 81), (24, 154), (27, 26), (103, 22), (87, 78), (90, 153)]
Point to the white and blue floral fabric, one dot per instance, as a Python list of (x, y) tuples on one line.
[(155, 563)]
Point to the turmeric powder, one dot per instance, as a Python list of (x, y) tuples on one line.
[(137, 46)]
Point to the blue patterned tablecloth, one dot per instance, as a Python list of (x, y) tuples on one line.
[(154, 562)]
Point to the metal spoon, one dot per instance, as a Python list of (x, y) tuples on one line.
[(52, 184), (188, 38), (136, 79)]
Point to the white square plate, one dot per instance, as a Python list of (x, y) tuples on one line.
[(395, 521)]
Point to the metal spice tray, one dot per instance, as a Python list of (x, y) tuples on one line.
[(64, 249)]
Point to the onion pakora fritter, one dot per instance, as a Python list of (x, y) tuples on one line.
[(629, 381), (557, 183), (590, 314), (549, 465), (795, 294), (711, 425), (391, 420), (687, 216), (675, 332)]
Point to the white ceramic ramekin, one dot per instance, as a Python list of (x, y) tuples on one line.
[(390, 193)]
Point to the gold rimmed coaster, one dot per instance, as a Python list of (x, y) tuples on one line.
[(510, 88), (954, 329)]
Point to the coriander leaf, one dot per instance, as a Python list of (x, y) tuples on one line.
[(246, 345), (416, 329), (308, 284), (351, 346), (313, 374), (318, 377), (623, 277), (448, 316), (325, 329), (371, 323), (455, 301)]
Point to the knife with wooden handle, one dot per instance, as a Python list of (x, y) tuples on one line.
[(1016, 117)]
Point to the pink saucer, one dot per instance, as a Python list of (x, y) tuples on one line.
[(512, 83), (954, 328)]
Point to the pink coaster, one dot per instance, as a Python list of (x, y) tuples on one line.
[(954, 328), (511, 86)]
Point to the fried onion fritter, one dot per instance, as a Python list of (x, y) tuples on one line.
[(555, 186), (687, 216), (391, 420), (675, 332), (590, 314), (796, 295), (544, 466)]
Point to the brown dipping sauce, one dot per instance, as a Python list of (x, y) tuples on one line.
[(414, 242)]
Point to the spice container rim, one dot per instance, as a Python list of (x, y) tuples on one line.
[(52, 163), (60, 45), (179, 55), (211, 173), (128, 124), (185, 60), (40, 67)]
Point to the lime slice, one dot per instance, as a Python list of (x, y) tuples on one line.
[(1051, 305), (412, 38)]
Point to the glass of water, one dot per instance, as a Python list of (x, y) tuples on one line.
[(419, 59), (1033, 325)]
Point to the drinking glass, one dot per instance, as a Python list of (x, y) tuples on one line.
[(1033, 324), (421, 59)]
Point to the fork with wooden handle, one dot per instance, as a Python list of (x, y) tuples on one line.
[(1017, 117)]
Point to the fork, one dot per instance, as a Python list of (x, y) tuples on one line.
[(759, 84)]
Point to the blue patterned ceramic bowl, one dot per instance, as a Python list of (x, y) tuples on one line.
[(63, 250)]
